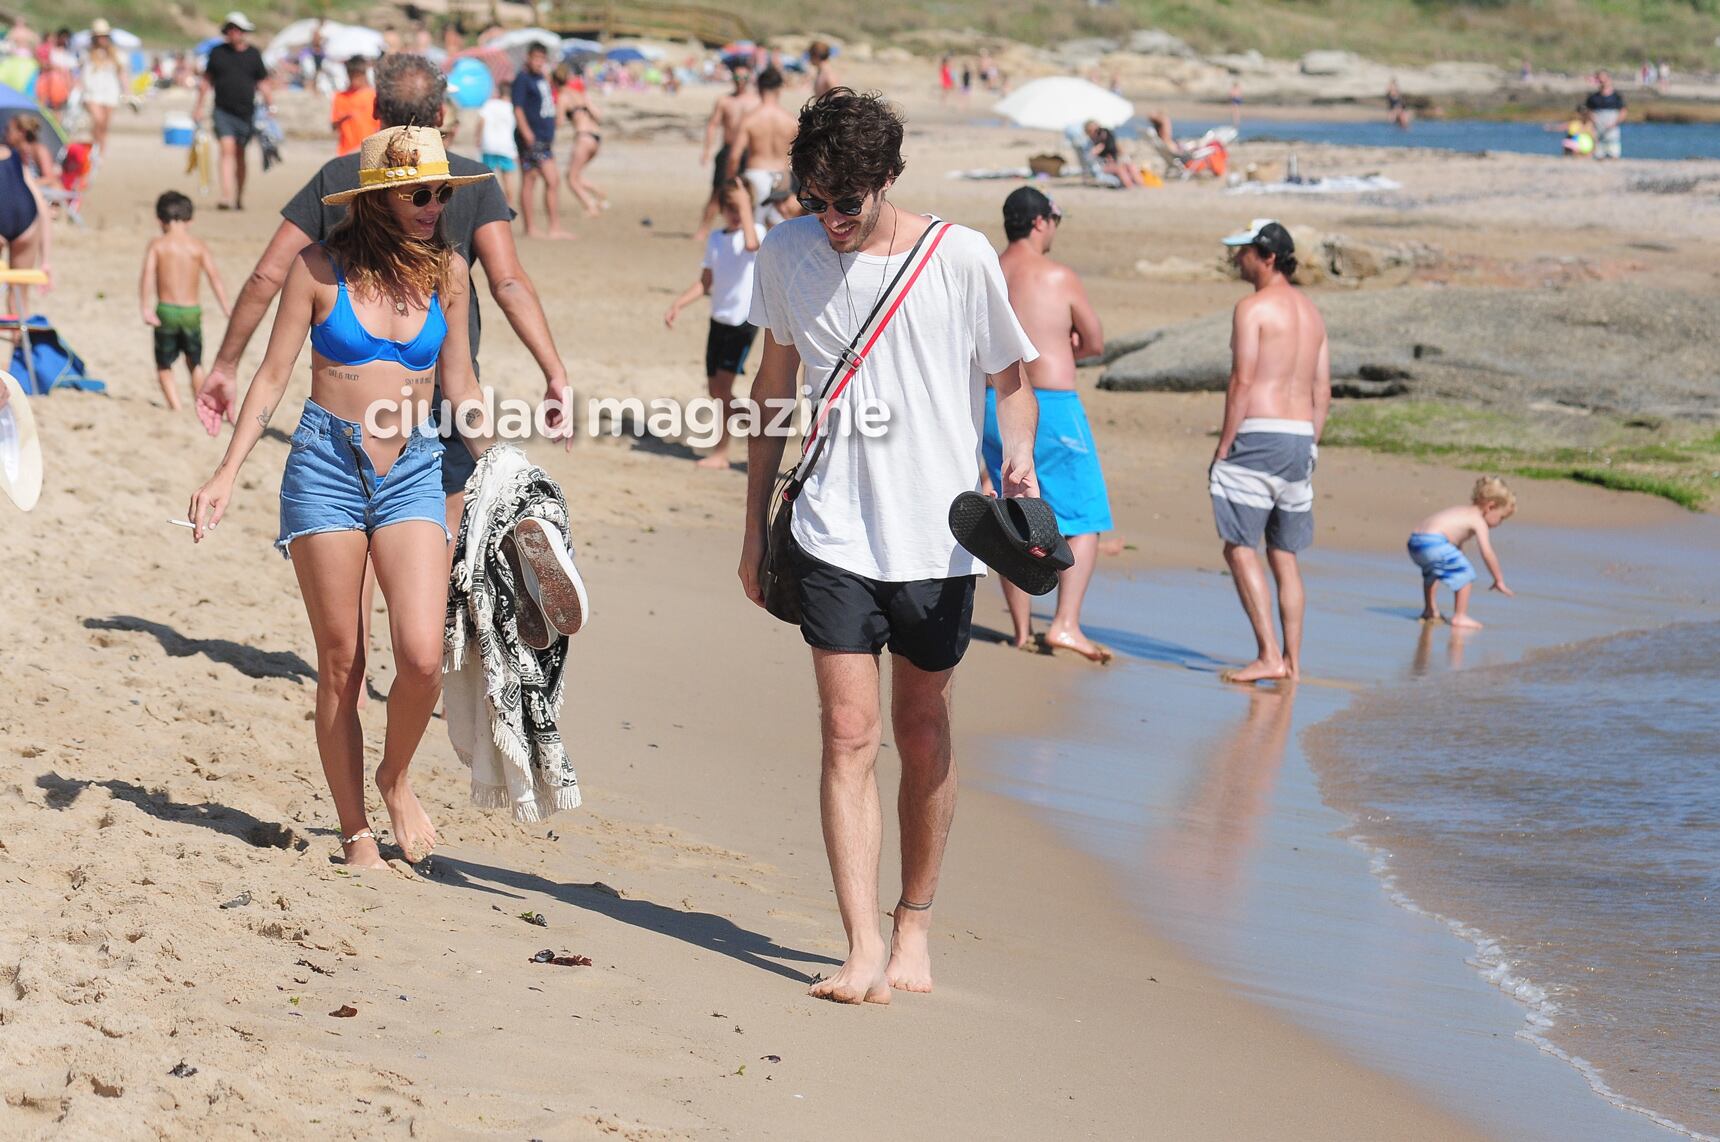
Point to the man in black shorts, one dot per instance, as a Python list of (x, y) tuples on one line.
[(234, 73), (880, 569)]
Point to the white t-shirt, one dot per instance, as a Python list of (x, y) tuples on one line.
[(878, 506), (731, 266), (497, 133)]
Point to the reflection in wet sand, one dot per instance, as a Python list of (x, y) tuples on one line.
[(1217, 826)]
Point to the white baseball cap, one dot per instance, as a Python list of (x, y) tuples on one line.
[(238, 20), (1251, 235)]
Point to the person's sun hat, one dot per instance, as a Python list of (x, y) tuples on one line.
[(1267, 234), (402, 156), (20, 448), (237, 20), (100, 27)]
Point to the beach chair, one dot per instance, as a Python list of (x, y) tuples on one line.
[(1209, 154), (74, 181), (1092, 174)]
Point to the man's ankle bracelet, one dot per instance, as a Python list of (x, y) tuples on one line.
[(904, 902)]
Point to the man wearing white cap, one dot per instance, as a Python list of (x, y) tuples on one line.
[(234, 73), (1274, 411)]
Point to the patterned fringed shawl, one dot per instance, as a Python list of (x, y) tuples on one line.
[(512, 690)]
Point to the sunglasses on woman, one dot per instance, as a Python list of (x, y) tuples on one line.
[(421, 197), (848, 207)]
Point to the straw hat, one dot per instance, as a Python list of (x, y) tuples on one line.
[(100, 27), (428, 163), (20, 450)]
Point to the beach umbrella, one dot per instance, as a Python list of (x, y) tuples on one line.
[(522, 38), (575, 48), (470, 83), (18, 74), (17, 103), (119, 37), (341, 42), (206, 46), (499, 64), (625, 55), (1061, 101)]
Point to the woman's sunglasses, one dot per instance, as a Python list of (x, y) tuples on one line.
[(421, 197), (849, 207)]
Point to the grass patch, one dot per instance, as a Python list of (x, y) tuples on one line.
[(1672, 462)]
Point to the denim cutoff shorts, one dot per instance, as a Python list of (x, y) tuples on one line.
[(331, 485)]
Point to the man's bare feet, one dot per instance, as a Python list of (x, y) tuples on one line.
[(407, 819), (1431, 617), (1260, 670), (1078, 643), (362, 852), (715, 462), (560, 235), (1464, 622), (910, 967), (860, 980)]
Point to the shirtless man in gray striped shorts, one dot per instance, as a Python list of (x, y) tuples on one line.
[(1274, 410)]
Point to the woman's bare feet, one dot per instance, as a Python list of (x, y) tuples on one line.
[(1464, 622), (361, 851), (715, 462), (1260, 670), (910, 967), (407, 819), (860, 980)]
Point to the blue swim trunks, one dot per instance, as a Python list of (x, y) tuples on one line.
[(1440, 559), (1064, 458)]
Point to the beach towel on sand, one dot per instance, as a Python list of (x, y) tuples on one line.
[(502, 697)]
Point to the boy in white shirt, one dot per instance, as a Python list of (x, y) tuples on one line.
[(727, 276), (496, 142)]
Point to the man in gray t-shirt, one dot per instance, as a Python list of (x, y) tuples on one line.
[(476, 223)]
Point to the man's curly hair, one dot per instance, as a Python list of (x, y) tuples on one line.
[(848, 143)]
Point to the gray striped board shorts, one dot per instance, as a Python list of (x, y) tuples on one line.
[(1264, 487)]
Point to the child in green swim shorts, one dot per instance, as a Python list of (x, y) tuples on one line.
[(172, 267)]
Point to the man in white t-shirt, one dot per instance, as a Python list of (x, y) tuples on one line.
[(496, 142), (879, 567)]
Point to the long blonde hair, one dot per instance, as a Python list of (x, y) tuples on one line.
[(377, 255)]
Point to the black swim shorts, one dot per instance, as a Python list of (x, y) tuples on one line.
[(727, 348), (926, 621)]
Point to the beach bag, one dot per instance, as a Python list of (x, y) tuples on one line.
[(779, 577), (50, 361)]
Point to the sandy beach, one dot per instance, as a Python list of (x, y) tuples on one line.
[(159, 761)]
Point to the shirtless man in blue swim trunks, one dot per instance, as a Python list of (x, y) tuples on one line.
[(1052, 306), (1274, 411)]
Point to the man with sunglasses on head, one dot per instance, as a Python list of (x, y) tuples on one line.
[(879, 567), (477, 224)]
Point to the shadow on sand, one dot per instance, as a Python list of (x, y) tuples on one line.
[(700, 929), (62, 792), (247, 660)]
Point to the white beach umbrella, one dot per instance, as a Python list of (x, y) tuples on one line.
[(1061, 101), (340, 41), (521, 38)]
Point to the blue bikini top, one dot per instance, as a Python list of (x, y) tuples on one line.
[(343, 340)]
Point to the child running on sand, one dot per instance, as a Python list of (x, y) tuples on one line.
[(727, 276), (171, 267), (1435, 545)]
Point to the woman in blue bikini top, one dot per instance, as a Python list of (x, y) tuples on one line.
[(384, 304)]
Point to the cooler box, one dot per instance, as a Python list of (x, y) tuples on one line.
[(178, 131)]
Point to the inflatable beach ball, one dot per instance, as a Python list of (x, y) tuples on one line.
[(470, 84)]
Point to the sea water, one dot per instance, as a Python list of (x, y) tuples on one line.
[(1563, 816), (1338, 855), (1641, 140)]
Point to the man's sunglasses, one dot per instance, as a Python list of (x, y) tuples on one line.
[(422, 196), (849, 207)]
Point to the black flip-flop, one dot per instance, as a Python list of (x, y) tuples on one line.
[(1017, 538)]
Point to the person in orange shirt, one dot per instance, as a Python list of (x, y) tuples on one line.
[(353, 113)]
